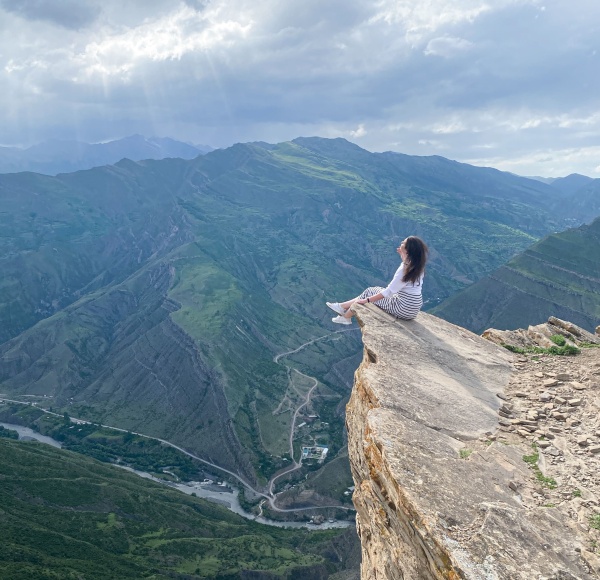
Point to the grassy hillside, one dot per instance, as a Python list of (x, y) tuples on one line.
[(559, 276), (65, 516), (153, 296)]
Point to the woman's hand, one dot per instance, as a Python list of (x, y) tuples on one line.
[(362, 301)]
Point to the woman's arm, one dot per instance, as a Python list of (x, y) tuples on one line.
[(396, 284), (370, 299)]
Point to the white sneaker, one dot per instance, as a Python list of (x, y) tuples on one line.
[(341, 320), (335, 306)]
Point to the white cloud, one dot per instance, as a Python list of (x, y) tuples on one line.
[(514, 79), (531, 124), (168, 38), (417, 19), (567, 122), (545, 162), (447, 46), (446, 127), (433, 143), (359, 132)]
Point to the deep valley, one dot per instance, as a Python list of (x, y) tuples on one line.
[(155, 296)]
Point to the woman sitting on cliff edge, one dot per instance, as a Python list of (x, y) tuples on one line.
[(402, 298)]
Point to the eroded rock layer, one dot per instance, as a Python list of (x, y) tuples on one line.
[(441, 492)]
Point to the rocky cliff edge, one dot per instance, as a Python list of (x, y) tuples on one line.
[(442, 490)]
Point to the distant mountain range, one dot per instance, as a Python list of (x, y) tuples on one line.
[(559, 276), (63, 156), (155, 295), (581, 194), (571, 183)]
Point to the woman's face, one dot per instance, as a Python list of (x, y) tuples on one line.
[(402, 250)]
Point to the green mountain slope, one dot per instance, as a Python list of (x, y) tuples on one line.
[(559, 276), (63, 238), (153, 296), (66, 516)]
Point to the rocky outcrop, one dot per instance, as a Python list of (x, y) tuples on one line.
[(542, 335), (442, 489)]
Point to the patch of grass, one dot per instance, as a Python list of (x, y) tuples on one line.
[(589, 345), (548, 482), (332, 478), (8, 433), (558, 339), (464, 453), (82, 519), (532, 461), (576, 493), (595, 521), (205, 293), (515, 349), (549, 505), (566, 350)]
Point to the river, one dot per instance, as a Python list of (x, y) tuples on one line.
[(227, 498), (27, 433)]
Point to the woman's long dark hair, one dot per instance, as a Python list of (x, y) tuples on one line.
[(417, 251)]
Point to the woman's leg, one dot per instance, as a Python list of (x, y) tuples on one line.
[(365, 294), (348, 303), (404, 306)]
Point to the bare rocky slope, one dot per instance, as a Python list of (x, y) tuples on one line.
[(473, 462)]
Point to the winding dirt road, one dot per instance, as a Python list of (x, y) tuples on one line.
[(295, 465)]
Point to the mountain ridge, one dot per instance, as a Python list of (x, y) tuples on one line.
[(558, 276), (238, 249), (65, 156)]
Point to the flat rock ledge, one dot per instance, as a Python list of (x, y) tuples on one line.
[(441, 490)]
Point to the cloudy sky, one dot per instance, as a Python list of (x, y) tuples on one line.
[(513, 84)]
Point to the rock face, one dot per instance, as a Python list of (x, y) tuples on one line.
[(541, 334), (440, 490)]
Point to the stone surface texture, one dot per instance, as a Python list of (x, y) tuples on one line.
[(440, 423), (540, 334)]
